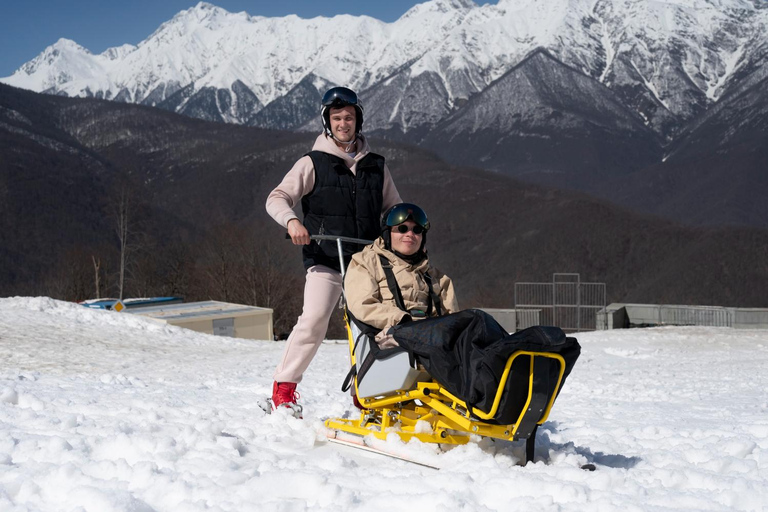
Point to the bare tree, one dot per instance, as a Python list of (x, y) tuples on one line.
[(97, 275), (123, 211), (270, 285), (221, 255), (236, 265), (175, 268), (71, 279), (123, 217)]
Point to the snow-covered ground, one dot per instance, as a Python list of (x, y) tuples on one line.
[(103, 411)]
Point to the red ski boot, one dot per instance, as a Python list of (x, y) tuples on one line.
[(284, 395)]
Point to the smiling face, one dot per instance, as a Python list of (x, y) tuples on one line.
[(343, 121), (406, 243)]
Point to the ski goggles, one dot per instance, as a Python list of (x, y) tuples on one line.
[(404, 211), (402, 228), (340, 97)]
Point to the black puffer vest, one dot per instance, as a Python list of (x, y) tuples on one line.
[(344, 204)]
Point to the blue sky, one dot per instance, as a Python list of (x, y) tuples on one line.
[(28, 26)]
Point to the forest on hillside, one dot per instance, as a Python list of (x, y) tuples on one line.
[(99, 198)]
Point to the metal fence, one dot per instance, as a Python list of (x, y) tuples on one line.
[(622, 315), (566, 302), (711, 317)]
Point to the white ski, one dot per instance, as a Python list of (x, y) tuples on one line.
[(359, 443)]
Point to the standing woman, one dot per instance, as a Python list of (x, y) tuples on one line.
[(424, 291)]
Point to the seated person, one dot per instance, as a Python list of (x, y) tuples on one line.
[(424, 290), (444, 346)]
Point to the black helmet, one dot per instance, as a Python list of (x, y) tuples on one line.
[(399, 214), (339, 97)]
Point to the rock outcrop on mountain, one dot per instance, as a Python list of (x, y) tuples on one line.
[(510, 128)]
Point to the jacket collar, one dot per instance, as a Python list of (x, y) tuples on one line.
[(378, 248), (327, 145)]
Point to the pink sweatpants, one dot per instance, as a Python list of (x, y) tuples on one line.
[(321, 294)]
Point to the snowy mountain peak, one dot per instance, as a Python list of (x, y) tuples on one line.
[(203, 11), (56, 66), (61, 49), (205, 6), (439, 6), (203, 15), (67, 44)]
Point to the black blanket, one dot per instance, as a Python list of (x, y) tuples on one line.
[(466, 353)]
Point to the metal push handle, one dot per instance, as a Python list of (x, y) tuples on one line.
[(339, 241)]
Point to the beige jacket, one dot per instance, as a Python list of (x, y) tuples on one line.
[(300, 180), (369, 298)]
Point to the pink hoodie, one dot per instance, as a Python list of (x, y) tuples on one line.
[(300, 180)]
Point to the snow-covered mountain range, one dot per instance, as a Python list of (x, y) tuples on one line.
[(665, 60)]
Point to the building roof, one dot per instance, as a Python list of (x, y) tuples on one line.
[(207, 309), (130, 303)]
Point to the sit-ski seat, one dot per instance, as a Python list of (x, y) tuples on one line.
[(382, 372)]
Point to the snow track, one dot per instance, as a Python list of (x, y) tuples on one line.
[(107, 412)]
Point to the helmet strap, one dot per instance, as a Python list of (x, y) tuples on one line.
[(347, 145)]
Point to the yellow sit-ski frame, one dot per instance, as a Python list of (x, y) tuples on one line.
[(445, 417), (432, 414)]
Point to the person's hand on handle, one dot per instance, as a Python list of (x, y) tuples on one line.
[(298, 233)]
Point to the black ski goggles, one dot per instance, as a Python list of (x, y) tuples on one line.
[(404, 211), (339, 97)]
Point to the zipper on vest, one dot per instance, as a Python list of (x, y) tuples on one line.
[(354, 206)]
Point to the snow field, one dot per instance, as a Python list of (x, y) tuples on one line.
[(107, 412)]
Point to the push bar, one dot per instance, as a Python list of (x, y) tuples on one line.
[(339, 241)]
